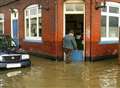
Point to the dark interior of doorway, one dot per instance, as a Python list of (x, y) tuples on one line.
[(75, 22)]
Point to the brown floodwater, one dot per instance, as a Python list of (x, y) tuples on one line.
[(45, 73)]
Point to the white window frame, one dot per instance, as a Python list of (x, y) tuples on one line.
[(2, 21), (73, 3), (13, 17), (107, 14), (30, 38)]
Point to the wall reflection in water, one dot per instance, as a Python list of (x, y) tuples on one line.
[(9, 78), (45, 73)]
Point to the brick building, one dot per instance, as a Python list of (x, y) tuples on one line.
[(40, 25)]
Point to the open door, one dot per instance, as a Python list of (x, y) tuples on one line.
[(74, 20), (14, 27)]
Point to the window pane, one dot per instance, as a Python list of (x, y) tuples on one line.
[(78, 7), (33, 27), (104, 9), (1, 27), (103, 26), (27, 27), (40, 26), (113, 27), (33, 22), (113, 10), (1, 17), (33, 11), (69, 7)]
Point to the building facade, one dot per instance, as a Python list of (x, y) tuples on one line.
[(39, 26)]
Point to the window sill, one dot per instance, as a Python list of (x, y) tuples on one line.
[(108, 42), (33, 41)]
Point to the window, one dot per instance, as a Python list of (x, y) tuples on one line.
[(74, 7), (113, 9), (33, 23), (113, 27), (110, 22), (103, 26), (1, 23)]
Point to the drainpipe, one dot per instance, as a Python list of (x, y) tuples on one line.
[(55, 26), (91, 3)]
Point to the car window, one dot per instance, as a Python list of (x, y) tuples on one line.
[(6, 42)]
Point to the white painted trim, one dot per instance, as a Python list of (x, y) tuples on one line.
[(109, 39), (2, 21), (80, 12), (74, 10), (31, 6), (74, 1), (108, 14), (64, 20), (13, 18), (30, 38), (113, 4), (70, 12), (77, 12)]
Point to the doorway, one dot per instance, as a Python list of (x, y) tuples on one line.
[(75, 22), (14, 27), (74, 19)]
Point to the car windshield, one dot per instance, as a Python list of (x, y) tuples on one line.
[(6, 42)]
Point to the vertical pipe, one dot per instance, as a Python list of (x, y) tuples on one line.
[(91, 3), (55, 20)]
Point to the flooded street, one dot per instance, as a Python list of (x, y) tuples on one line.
[(45, 73)]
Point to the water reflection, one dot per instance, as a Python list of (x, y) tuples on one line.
[(45, 73), (108, 78), (9, 78)]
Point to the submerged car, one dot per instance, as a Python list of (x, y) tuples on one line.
[(10, 56)]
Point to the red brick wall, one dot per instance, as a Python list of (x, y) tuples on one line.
[(48, 38), (49, 32), (97, 49), (53, 29)]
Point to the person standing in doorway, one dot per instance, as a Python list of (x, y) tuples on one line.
[(79, 40), (69, 44)]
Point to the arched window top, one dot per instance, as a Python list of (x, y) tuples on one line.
[(33, 10), (112, 8), (32, 6), (115, 4), (33, 23)]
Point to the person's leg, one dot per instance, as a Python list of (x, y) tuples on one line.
[(68, 55)]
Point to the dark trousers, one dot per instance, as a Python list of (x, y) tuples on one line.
[(68, 54)]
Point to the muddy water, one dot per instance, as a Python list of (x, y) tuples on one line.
[(45, 73)]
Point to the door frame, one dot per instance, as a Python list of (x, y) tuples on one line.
[(14, 16), (82, 3)]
